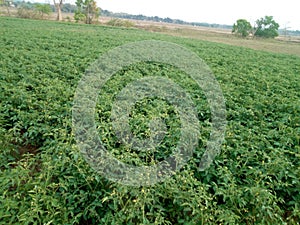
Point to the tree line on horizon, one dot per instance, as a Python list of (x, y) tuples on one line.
[(160, 19)]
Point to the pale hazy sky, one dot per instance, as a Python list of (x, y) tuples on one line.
[(286, 13)]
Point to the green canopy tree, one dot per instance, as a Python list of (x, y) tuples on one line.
[(266, 27), (43, 9), (242, 27), (87, 11)]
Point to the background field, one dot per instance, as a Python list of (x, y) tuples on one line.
[(287, 44), (45, 180), (282, 44)]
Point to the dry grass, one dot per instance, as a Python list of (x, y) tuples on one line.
[(277, 45), (286, 45)]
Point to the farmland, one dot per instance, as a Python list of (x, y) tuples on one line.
[(45, 180)]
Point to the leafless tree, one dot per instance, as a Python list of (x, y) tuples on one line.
[(58, 5)]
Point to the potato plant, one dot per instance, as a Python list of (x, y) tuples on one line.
[(45, 180)]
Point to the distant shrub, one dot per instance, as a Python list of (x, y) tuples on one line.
[(79, 16), (68, 19), (37, 11), (42, 10), (120, 23), (25, 12), (155, 28)]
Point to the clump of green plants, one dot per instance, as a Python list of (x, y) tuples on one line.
[(35, 11), (120, 23), (156, 28)]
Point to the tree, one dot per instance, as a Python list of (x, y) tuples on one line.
[(69, 8), (26, 10), (87, 10), (7, 4), (266, 27), (58, 5), (43, 9), (242, 27)]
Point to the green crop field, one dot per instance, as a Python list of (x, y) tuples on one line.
[(44, 179)]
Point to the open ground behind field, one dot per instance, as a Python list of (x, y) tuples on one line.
[(285, 45), (282, 44)]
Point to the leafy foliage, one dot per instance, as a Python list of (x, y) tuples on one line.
[(266, 27), (242, 27), (43, 9), (120, 23), (45, 180), (33, 11), (87, 11)]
